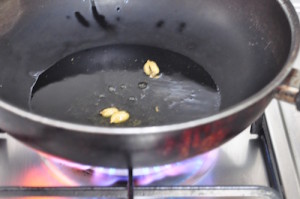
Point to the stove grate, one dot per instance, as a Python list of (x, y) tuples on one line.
[(132, 191), (144, 192)]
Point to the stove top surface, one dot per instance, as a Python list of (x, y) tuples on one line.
[(238, 162)]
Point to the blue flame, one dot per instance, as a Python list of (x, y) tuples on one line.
[(144, 176)]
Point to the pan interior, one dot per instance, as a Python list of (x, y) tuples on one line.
[(77, 87), (243, 45)]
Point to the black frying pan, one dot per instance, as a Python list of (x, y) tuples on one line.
[(62, 62)]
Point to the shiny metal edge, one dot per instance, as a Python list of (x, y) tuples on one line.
[(144, 192), (283, 152)]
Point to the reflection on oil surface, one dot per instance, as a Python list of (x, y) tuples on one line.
[(77, 87)]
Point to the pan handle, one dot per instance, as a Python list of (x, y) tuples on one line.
[(289, 90)]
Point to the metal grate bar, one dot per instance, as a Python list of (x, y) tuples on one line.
[(130, 184), (214, 191), (269, 156), (122, 192)]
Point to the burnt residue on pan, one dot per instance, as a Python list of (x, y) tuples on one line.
[(81, 19), (99, 18), (181, 27), (160, 24)]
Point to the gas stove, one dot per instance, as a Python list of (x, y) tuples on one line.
[(262, 162), (244, 166)]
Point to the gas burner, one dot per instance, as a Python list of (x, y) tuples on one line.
[(188, 171)]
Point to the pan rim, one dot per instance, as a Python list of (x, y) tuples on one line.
[(293, 20)]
